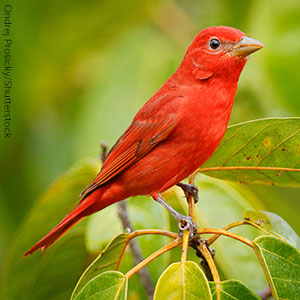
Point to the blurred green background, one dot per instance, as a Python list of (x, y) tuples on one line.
[(83, 68)]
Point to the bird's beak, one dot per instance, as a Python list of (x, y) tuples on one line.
[(245, 46)]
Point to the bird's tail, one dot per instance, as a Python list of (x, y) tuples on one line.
[(84, 208)]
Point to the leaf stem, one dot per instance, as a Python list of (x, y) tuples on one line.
[(200, 170), (153, 231), (247, 222), (212, 266), (154, 255), (191, 199), (136, 250), (143, 232), (226, 233), (213, 238), (185, 245)]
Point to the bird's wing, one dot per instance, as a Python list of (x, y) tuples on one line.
[(138, 140)]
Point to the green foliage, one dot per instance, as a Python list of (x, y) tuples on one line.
[(281, 264), (279, 260), (183, 280), (106, 261), (109, 285), (180, 279), (41, 276), (85, 84), (274, 224), (217, 197), (233, 289), (261, 151), (141, 211)]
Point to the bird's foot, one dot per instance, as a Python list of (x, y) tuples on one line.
[(189, 189), (186, 223)]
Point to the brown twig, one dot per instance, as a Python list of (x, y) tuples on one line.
[(265, 294), (136, 250), (103, 152)]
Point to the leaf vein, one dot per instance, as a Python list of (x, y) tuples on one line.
[(244, 145), (284, 279), (223, 291), (275, 147), (297, 162), (275, 254)]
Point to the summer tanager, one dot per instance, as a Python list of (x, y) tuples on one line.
[(174, 133)]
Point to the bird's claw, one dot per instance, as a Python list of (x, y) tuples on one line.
[(186, 223), (189, 189)]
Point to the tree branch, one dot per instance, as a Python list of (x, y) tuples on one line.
[(136, 250), (265, 294), (103, 152)]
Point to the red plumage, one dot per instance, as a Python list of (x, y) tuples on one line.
[(175, 132)]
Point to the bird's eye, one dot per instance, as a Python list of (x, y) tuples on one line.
[(214, 44)]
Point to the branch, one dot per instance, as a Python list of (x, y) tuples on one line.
[(191, 199), (213, 269), (154, 255), (103, 152), (247, 168), (136, 250), (226, 233), (265, 293), (213, 238), (185, 245)]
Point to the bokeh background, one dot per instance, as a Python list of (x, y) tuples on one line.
[(83, 68)]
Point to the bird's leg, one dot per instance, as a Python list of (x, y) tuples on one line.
[(189, 189), (184, 222)]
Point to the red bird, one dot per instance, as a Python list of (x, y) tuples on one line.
[(174, 133)]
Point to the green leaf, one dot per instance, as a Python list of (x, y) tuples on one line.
[(274, 224), (232, 257), (111, 285), (101, 227), (233, 290), (281, 264), (52, 274), (141, 211), (107, 260), (263, 151), (182, 281)]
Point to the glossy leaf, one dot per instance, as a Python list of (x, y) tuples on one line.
[(101, 227), (52, 274), (233, 290), (106, 261), (274, 224), (111, 285), (182, 281), (262, 151), (281, 264)]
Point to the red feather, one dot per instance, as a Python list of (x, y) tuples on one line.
[(139, 139)]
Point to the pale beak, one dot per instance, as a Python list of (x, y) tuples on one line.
[(245, 46)]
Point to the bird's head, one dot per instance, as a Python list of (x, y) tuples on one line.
[(219, 51)]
